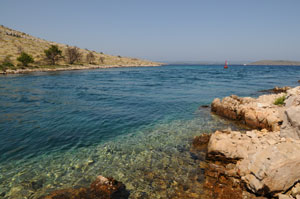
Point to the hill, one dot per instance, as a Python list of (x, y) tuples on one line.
[(276, 63), (13, 42)]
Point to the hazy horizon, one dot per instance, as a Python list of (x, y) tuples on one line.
[(169, 31)]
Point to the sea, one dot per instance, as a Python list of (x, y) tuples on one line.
[(62, 129)]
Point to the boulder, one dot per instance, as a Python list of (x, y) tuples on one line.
[(264, 161), (101, 188), (291, 120), (256, 113)]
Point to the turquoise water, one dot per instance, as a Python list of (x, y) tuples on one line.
[(62, 129)]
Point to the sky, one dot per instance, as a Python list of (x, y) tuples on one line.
[(165, 30)]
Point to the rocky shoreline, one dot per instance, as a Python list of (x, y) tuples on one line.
[(75, 67), (260, 163)]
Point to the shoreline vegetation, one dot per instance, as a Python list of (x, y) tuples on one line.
[(52, 68), (259, 163), (23, 53)]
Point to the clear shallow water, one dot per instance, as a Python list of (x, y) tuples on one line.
[(62, 129)]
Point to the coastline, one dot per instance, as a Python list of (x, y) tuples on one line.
[(259, 163), (74, 67)]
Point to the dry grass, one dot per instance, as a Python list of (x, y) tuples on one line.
[(12, 42)]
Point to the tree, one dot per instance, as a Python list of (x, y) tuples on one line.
[(25, 59), (73, 55), (90, 58), (102, 60), (53, 54), (6, 63)]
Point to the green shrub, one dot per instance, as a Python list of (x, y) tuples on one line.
[(280, 100), (6, 64), (25, 59), (3, 68), (53, 54)]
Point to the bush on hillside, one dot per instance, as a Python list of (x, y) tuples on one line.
[(6, 64), (53, 54), (101, 59), (73, 55), (25, 59), (90, 58)]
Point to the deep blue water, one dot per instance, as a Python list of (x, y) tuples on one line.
[(45, 112)]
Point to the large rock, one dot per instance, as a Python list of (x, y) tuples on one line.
[(266, 162), (101, 188), (256, 113), (291, 120)]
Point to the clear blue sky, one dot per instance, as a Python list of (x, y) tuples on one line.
[(173, 30)]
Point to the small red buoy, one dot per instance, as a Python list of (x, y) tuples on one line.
[(226, 66)]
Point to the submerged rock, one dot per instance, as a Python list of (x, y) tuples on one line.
[(200, 142), (204, 106), (101, 188), (277, 90)]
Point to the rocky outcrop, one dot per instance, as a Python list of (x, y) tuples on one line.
[(265, 162), (219, 182), (257, 113), (101, 188)]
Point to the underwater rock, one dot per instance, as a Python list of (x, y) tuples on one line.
[(200, 142), (101, 188), (277, 90), (2, 194), (221, 186), (204, 106), (37, 184)]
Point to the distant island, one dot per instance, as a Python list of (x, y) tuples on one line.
[(21, 52), (276, 63)]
